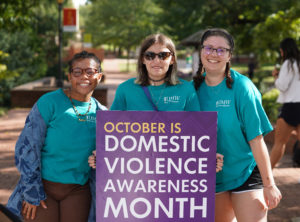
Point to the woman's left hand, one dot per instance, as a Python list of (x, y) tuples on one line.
[(92, 160), (220, 161), (272, 196)]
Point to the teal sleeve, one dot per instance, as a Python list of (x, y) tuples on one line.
[(253, 118), (119, 102), (192, 103), (46, 108)]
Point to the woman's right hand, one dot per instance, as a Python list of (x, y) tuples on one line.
[(29, 210), (275, 73), (92, 160)]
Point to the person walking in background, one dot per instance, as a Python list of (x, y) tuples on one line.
[(188, 61), (245, 188), (52, 150), (251, 65), (287, 81)]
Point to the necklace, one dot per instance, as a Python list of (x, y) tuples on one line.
[(81, 117), (160, 95), (155, 80)]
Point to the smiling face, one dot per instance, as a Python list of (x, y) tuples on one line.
[(157, 68), (214, 63), (82, 87)]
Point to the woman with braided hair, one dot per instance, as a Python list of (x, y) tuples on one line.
[(245, 188)]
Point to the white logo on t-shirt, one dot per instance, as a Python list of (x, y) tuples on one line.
[(223, 103), (91, 119), (171, 99)]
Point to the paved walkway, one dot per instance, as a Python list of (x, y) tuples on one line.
[(287, 177)]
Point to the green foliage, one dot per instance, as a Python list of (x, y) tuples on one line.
[(3, 111), (181, 18), (27, 36), (184, 18), (281, 24), (121, 23), (6, 76), (253, 23), (270, 105), (16, 14)]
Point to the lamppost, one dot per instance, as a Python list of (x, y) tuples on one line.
[(59, 81)]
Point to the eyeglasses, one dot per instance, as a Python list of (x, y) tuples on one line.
[(209, 50), (161, 55), (89, 71)]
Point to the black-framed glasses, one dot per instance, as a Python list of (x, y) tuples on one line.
[(161, 55), (219, 51), (89, 71)]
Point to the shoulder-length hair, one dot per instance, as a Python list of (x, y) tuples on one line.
[(142, 76)]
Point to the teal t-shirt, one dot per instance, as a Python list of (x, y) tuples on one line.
[(241, 118), (180, 97), (68, 142)]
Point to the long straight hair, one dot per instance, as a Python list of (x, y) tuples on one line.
[(290, 52)]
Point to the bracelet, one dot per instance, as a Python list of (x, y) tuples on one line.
[(269, 186)]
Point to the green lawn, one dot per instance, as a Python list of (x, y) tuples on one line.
[(3, 111), (123, 67)]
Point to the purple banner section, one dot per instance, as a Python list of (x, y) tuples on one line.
[(155, 166)]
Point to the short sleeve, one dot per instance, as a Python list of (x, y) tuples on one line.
[(285, 77), (253, 118), (119, 102), (192, 103), (46, 108)]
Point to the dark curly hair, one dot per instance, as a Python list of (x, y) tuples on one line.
[(199, 78), (84, 55)]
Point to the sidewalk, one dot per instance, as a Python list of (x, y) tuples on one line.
[(287, 178)]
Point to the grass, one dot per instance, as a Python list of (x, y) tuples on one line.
[(123, 67), (3, 111), (241, 68)]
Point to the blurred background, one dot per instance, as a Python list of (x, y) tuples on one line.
[(33, 44), (38, 37)]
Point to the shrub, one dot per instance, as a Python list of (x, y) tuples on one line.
[(270, 105)]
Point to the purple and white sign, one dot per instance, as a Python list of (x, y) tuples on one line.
[(155, 166)]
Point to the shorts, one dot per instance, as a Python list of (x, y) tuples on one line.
[(290, 112), (254, 182)]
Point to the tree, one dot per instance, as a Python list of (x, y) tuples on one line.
[(16, 15), (5, 77), (28, 37), (183, 18), (121, 23), (282, 24)]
